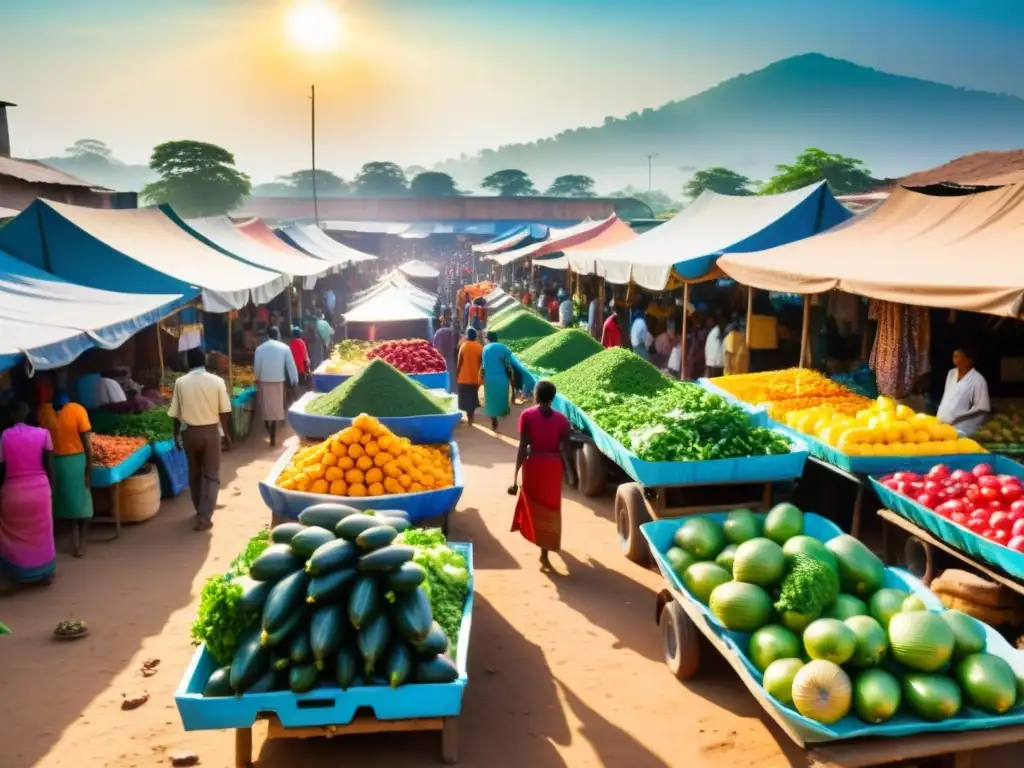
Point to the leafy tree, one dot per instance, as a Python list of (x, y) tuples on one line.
[(196, 179), (572, 185), (658, 201), (414, 170), (717, 179), (327, 183), (381, 179), (433, 184), (89, 148), (509, 183), (845, 175)]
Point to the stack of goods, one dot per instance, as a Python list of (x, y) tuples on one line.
[(660, 419), (772, 386), (347, 357), (154, 425), (520, 325), (410, 356), (339, 598), (109, 451), (1004, 431), (367, 459), (379, 390), (835, 641), (560, 351), (994, 604)]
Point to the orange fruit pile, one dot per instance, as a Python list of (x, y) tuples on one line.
[(772, 386), (367, 459)]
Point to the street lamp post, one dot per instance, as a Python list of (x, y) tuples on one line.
[(312, 127)]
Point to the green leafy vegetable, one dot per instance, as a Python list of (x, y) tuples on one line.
[(154, 425), (257, 544), (561, 350), (447, 582), (221, 619), (379, 390), (4, 629), (808, 587)]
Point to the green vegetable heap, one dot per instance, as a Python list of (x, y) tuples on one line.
[(519, 345), (613, 371), (561, 351), (378, 390), (154, 425), (447, 576), (809, 586), (520, 325)]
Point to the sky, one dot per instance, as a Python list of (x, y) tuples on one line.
[(418, 81)]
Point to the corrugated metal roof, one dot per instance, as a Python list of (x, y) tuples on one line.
[(35, 172)]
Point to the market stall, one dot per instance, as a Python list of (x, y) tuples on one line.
[(416, 358)]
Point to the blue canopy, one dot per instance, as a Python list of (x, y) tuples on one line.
[(525, 234), (50, 322)]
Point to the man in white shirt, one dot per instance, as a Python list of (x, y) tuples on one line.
[(714, 349), (639, 337), (201, 406), (108, 392), (274, 367), (965, 404), (565, 309)]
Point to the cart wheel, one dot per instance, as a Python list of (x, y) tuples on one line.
[(630, 514), (680, 640), (919, 558), (590, 470)]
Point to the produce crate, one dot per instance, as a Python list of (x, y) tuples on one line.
[(758, 413), (958, 536), (650, 474), (433, 428), (326, 705), (325, 382), (105, 477), (733, 646), (421, 506)]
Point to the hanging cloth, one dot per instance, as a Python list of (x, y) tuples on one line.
[(900, 353)]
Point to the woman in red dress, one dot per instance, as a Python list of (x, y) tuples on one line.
[(543, 455)]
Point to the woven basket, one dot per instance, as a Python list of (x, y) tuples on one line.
[(139, 495)]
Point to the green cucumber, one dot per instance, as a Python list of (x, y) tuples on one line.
[(279, 660), (330, 586), (307, 542), (219, 683), (326, 516), (412, 615), (439, 669), (364, 602), (299, 650), (434, 643), (284, 631), (399, 513), (376, 537), (353, 525), (386, 558), (287, 596), (254, 593), (346, 667), (326, 633), (331, 556), (408, 576), (399, 665), (267, 682), (282, 534), (276, 562), (302, 678), (249, 663), (373, 642), (400, 524)]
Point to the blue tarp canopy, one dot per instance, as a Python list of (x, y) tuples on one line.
[(525, 234), (51, 322), (134, 251), (689, 245)]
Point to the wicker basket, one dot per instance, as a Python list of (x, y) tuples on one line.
[(139, 497)]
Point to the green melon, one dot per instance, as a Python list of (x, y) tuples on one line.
[(742, 525), (810, 546), (759, 561), (771, 643), (876, 695), (702, 537), (778, 679), (931, 697), (914, 603), (702, 578), (988, 682), (822, 692), (726, 557), (968, 633), (783, 522), (679, 560), (740, 607), (921, 640), (830, 640), (885, 604), (845, 607), (872, 642), (797, 622), (861, 573)]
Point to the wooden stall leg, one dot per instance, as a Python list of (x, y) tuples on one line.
[(858, 502), (243, 747), (115, 509), (450, 741), (962, 759)]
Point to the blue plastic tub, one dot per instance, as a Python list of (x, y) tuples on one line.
[(104, 477), (424, 505), (758, 413), (659, 537), (965, 540), (172, 466), (326, 705), (652, 474), (243, 398), (325, 382), (437, 428)]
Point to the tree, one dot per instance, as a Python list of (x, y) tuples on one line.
[(381, 179), (91, 148), (196, 179), (717, 179), (656, 199), (433, 184), (327, 183), (509, 183), (414, 170), (845, 175), (572, 185)]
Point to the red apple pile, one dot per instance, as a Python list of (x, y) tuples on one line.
[(979, 500), (410, 356)]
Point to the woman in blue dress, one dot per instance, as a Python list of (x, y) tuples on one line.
[(499, 368)]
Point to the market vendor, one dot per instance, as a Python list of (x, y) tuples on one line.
[(735, 355), (639, 337), (274, 368), (300, 353), (611, 334), (965, 404), (71, 435), (714, 353), (565, 309)]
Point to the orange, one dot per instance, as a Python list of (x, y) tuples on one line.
[(354, 476), (382, 458), (339, 488), (329, 460), (366, 438), (320, 486), (376, 489), (416, 474), (374, 475), (428, 481), (288, 485), (364, 463), (372, 449), (384, 441), (405, 463), (316, 471), (338, 448), (302, 482), (391, 469), (415, 488), (333, 474), (348, 436), (355, 451), (345, 463), (357, 490), (392, 486), (404, 480)]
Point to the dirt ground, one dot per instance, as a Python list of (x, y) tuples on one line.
[(565, 669)]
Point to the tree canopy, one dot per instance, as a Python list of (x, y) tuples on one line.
[(381, 179), (658, 201), (328, 184), (433, 184), (86, 147), (196, 179), (720, 180), (509, 183), (845, 175), (572, 185)]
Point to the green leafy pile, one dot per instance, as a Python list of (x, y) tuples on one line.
[(3, 629), (519, 345), (561, 351), (521, 325), (809, 587), (256, 546), (614, 371), (447, 582), (221, 619), (509, 312), (154, 425), (378, 390)]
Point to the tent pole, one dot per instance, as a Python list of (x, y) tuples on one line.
[(805, 335), (160, 354), (750, 311), (599, 316), (231, 367), (288, 301), (682, 332)]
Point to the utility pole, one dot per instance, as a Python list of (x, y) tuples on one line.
[(650, 172), (312, 126)]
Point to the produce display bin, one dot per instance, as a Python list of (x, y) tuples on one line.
[(758, 413), (421, 506), (325, 382), (733, 646), (105, 477), (326, 705), (433, 428)]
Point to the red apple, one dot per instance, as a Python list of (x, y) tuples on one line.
[(906, 477), (938, 472), (1010, 492), (988, 533), (982, 470), (1001, 536), (962, 476), (981, 514), (1018, 527), (927, 500), (1016, 544), (989, 494), (1017, 507), (1000, 521), (977, 524), (973, 493), (988, 481), (960, 518), (892, 485)]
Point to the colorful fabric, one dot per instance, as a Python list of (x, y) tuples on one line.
[(546, 428), (497, 362), (469, 397), (300, 353), (611, 334), (902, 342), (468, 368), (538, 515), (270, 400), (72, 499), (27, 551), (66, 427)]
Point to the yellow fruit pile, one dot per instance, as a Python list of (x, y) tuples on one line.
[(848, 405), (883, 429), (367, 459), (772, 386)]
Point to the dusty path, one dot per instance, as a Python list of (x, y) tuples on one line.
[(565, 670)]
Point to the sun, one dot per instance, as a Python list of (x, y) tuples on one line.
[(315, 25)]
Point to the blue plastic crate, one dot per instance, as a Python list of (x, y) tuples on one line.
[(326, 705), (421, 506), (172, 465), (104, 477), (659, 536), (244, 398), (325, 382), (434, 428)]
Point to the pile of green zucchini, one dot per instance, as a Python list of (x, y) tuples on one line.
[(339, 604)]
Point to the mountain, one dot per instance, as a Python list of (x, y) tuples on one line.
[(753, 122), (104, 171)]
